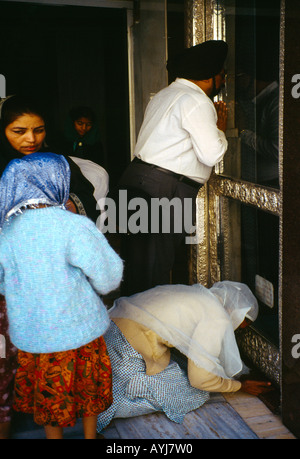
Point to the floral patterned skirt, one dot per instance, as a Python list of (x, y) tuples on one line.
[(60, 387)]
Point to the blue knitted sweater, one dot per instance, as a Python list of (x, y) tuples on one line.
[(53, 267)]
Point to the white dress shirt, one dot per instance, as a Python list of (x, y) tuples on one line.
[(179, 131)]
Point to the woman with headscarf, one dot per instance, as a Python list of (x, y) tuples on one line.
[(56, 316), (200, 324), (23, 132)]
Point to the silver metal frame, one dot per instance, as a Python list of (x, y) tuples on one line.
[(204, 20)]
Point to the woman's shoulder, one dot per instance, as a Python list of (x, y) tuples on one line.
[(78, 223), (67, 223), (67, 215), (59, 214)]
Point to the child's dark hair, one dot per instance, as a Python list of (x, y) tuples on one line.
[(79, 112)]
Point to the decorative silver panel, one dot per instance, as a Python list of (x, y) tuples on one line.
[(204, 20), (261, 352), (200, 252), (248, 193), (199, 21)]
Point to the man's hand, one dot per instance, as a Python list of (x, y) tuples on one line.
[(256, 387), (221, 109)]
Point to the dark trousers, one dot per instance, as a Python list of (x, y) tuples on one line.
[(149, 257)]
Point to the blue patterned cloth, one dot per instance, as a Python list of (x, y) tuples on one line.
[(135, 393), (39, 178)]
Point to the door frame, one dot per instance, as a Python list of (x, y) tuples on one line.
[(205, 22), (280, 364)]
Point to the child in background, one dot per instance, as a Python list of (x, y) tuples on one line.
[(53, 266), (81, 136)]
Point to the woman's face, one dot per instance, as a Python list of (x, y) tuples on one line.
[(83, 125), (26, 134)]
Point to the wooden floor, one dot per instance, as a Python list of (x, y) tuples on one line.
[(233, 416), (258, 417), (216, 419)]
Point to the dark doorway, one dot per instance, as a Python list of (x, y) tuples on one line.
[(71, 56)]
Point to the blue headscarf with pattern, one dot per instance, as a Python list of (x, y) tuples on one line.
[(38, 178)]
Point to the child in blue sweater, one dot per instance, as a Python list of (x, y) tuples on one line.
[(53, 266)]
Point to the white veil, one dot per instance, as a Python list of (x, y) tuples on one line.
[(199, 322)]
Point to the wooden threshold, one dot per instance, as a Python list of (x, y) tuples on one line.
[(260, 419)]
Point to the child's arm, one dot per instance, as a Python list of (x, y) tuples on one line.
[(90, 251)]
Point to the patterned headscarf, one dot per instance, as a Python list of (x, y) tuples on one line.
[(38, 178)]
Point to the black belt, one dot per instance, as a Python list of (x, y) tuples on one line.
[(180, 178)]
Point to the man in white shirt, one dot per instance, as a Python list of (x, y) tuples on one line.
[(182, 137)]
